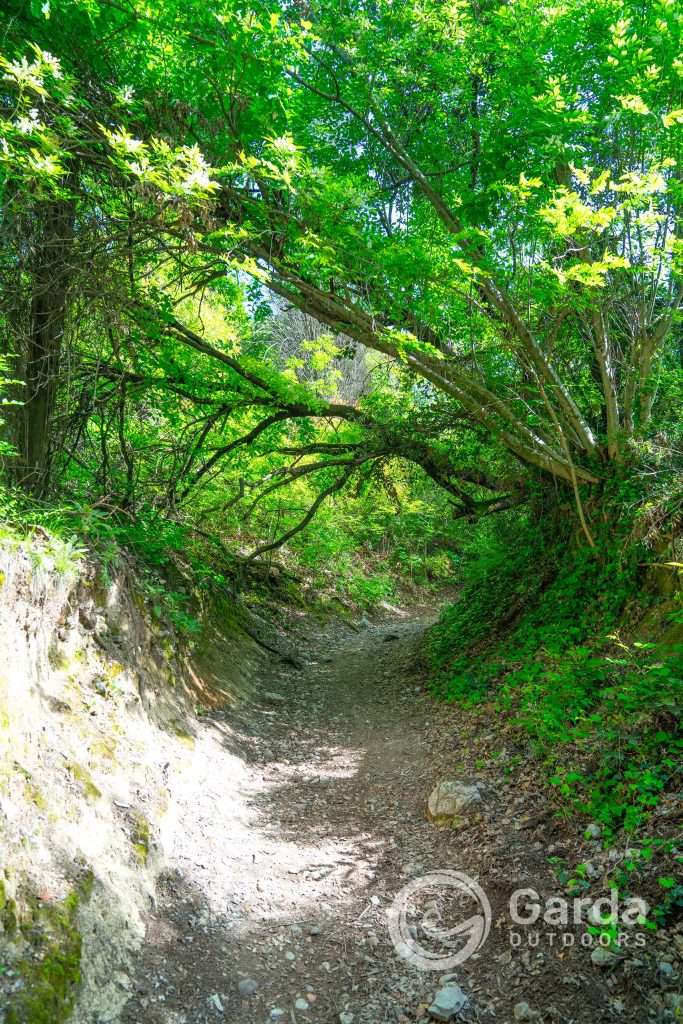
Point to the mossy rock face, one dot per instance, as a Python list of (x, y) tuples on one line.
[(50, 972)]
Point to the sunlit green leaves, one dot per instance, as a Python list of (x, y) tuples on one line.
[(568, 215), (180, 171)]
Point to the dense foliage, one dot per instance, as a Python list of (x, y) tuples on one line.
[(563, 649)]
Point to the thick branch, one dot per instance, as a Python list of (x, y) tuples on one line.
[(338, 484)]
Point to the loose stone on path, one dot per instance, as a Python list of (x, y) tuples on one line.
[(448, 1001)]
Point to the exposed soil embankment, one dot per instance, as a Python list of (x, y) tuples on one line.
[(98, 742)]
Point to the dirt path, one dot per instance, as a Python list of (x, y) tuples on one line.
[(304, 818)]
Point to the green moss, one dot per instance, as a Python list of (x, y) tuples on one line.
[(58, 658), (32, 791), (8, 912), (141, 852), (141, 837), (35, 796), (104, 748), (85, 887), (83, 776), (51, 973), (182, 734)]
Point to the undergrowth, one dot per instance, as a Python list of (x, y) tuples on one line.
[(549, 634), (178, 567)]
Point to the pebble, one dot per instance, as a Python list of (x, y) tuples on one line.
[(301, 1004), (448, 1001), (523, 1011), (345, 1018), (215, 1001), (289, 955), (451, 797), (665, 969), (593, 831), (247, 987), (603, 957), (276, 1013)]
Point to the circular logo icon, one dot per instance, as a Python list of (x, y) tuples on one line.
[(439, 920)]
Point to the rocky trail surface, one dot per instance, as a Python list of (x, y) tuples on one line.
[(303, 816)]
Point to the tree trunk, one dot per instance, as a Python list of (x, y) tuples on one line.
[(52, 270)]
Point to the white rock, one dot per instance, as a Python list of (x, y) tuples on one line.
[(345, 1018), (593, 831), (450, 797), (301, 1004), (448, 1001), (523, 1011), (665, 969), (215, 1001), (247, 987)]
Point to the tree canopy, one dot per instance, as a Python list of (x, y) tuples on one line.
[(485, 198)]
